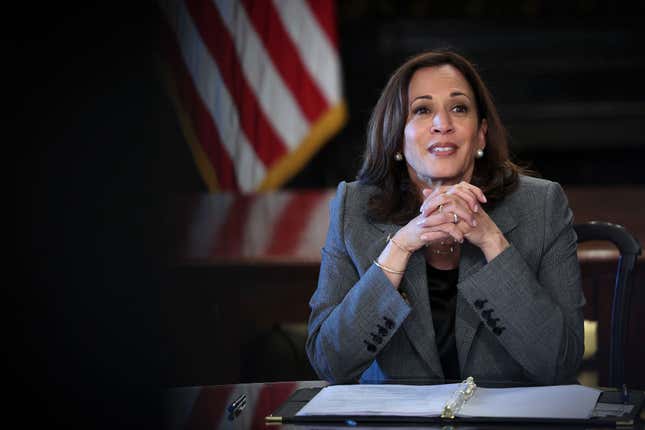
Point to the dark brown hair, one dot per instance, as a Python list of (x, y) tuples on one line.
[(397, 200)]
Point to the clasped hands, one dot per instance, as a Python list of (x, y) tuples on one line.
[(453, 212)]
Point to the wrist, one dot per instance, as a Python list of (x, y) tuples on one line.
[(495, 245), (398, 243), (395, 255), (394, 259)]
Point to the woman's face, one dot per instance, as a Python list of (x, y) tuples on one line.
[(441, 131)]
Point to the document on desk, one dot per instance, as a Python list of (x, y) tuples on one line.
[(559, 401)]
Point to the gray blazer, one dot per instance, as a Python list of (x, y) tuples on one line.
[(518, 318)]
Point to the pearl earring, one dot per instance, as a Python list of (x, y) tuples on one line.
[(479, 153), (398, 156)]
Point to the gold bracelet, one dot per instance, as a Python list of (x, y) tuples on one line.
[(391, 239), (387, 269)]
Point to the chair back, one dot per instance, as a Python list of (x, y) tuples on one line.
[(629, 249)]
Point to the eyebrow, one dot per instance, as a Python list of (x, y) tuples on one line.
[(429, 97)]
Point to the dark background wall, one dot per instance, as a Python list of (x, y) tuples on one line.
[(80, 127)]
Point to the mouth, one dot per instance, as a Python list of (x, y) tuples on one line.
[(442, 149)]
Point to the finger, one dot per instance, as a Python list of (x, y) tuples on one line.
[(465, 228), (431, 220), (437, 204), (462, 211), (471, 189), (475, 190), (428, 195), (446, 203), (469, 197), (431, 204), (429, 237), (447, 228)]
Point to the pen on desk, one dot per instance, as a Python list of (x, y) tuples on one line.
[(237, 410), (240, 407), (237, 402)]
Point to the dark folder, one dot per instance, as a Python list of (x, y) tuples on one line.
[(287, 413)]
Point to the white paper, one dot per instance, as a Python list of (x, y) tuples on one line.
[(368, 399), (560, 401), (557, 401)]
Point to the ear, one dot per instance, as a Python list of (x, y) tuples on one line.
[(481, 134)]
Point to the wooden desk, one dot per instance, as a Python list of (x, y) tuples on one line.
[(205, 407), (239, 265)]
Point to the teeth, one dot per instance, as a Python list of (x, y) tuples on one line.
[(443, 149)]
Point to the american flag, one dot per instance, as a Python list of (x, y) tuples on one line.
[(256, 86)]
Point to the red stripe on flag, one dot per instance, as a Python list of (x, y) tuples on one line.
[(271, 396), (197, 111), (293, 222), (230, 237), (286, 58), (325, 13), (209, 408), (268, 146)]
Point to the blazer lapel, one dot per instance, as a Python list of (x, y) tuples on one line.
[(472, 259), (418, 326)]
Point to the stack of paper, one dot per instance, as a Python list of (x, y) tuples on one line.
[(559, 401)]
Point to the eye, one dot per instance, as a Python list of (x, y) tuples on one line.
[(460, 109), (420, 110)]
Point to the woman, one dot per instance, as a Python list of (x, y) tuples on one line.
[(443, 261)]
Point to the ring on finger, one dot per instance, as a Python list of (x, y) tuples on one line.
[(455, 218)]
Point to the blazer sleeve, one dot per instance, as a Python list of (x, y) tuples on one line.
[(354, 310), (536, 311)]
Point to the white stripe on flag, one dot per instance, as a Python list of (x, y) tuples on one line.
[(262, 219), (318, 55), (207, 79), (277, 102)]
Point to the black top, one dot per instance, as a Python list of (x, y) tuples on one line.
[(442, 289)]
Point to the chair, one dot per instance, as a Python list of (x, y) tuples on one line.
[(629, 249)]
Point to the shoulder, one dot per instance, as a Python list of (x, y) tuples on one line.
[(538, 185), (537, 201), (356, 188), (533, 191), (352, 197), (347, 211)]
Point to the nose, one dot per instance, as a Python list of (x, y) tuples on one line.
[(441, 123)]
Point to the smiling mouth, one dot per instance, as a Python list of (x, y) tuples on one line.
[(442, 149)]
